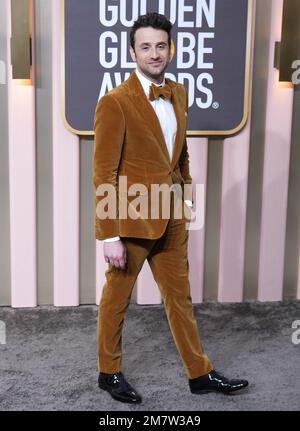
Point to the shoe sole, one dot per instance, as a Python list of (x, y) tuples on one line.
[(115, 397), (201, 391), (207, 391)]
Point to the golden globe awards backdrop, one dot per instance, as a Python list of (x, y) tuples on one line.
[(211, 57)]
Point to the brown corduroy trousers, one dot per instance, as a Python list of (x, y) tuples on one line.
[(168, 260)]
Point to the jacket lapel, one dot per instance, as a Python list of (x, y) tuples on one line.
[(146, 111), (180, 117)]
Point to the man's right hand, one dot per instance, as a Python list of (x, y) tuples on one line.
[(115, 253)]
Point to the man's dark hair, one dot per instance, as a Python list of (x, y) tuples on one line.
[(151, 19)]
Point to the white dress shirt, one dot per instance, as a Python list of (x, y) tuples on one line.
[(166, 116), (164, 111)]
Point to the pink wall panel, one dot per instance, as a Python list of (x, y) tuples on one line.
[(198, 152), (21, 118), (275, 174), (65, 186), (234, 206)]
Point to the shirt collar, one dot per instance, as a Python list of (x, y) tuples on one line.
[(146, 83)]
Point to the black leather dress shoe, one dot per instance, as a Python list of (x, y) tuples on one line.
[(213, 381), (118, 387)]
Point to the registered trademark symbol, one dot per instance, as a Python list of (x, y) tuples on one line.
[(216, 105)]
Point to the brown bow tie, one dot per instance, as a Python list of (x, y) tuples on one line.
[(155, 92)]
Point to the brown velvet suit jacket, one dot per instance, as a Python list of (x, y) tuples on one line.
[(129, 141)]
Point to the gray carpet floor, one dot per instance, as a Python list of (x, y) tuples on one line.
[(49, 359)]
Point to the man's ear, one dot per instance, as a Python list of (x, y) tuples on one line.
[(132, 53)]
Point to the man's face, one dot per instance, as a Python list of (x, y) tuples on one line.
[(152, 53)]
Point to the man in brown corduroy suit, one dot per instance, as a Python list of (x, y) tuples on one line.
[(140, 134)]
